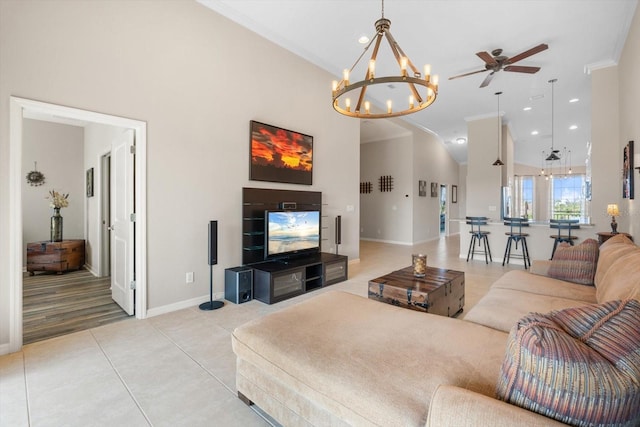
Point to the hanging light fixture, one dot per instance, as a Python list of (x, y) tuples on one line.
[(553, 154), (498, 162), (416, 101)]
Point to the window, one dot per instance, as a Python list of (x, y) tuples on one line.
[(523, 198), (567, 197)]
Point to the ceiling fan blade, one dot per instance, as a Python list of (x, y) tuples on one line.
[(527, 53), (467, 74), (487, 80), (522, 69), (486, 57)]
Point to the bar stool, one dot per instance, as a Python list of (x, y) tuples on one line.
[(563, 225), (477, 235), (516, 235)]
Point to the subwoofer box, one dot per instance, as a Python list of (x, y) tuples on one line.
[(238, 284)]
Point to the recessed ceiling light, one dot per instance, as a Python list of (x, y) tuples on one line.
[(535, 132), (363, 39), (526, 109), (574, 100), (461, 140), (573, 127), (534, 97)]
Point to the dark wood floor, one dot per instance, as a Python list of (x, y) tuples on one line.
[(59, 304)]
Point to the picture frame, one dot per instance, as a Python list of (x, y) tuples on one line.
[(454, 194), (89, 182), (280, 155), (434, 189), (627, 171), (422, 188)]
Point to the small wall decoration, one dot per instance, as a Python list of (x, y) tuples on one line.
[(385, 183), (422, 188), (627, 171), (280, 155), (35, 178), (89, 182), (454, 194), (365, 187), (434, 189)]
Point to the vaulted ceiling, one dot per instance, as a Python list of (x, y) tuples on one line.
[(582, 35)]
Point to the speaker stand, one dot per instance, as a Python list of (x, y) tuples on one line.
[(211, 304)]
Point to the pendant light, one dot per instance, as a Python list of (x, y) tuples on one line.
[(553, 155), (498, 162)]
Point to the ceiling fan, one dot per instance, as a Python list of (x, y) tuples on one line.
[(496, 62)]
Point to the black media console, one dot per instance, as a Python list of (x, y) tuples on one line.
[(278, 280)]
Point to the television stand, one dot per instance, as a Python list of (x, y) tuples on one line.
[(275, 281)]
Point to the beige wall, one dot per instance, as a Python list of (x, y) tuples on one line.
[(606, 152), (58, 149), (483, 190), (197, 79), (432, 163), (387, 216), (401, 215), (628, 72)]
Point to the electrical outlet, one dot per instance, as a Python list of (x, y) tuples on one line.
[(190, 277)]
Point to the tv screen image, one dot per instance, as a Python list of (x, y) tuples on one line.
[(290, 232)]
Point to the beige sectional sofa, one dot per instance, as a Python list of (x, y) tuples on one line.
[(339, 359)]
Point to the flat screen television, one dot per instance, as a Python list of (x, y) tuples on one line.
[(289, 233)]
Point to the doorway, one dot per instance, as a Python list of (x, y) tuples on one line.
[(136, 191)]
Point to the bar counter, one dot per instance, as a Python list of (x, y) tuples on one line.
[(538, 240)]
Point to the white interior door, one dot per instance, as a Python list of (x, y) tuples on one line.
[(122, 227)]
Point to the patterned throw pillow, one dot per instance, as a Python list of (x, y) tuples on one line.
[(575, 264), (580, 366)]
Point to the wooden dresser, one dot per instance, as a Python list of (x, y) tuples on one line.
[(55, 256)]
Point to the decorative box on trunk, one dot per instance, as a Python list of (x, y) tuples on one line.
[(440, 291), (55, 256)]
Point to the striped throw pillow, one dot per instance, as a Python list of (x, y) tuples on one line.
[(580, 366), (575, 264)]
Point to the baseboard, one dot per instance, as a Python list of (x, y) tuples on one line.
[(182, 304), (89, 268), (4, 349), (393, 242)]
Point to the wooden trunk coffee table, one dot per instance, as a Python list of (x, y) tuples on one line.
[(441, 291)]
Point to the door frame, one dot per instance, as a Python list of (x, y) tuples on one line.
[(105, 214), (18, 106)]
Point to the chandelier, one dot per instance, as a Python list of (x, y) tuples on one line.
[(422, 90), (553, 154)]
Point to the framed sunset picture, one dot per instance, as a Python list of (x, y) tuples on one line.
[(280, 155)]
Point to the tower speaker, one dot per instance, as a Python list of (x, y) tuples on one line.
[(213, 260), (338, 230), (213, 242), (238, 284)]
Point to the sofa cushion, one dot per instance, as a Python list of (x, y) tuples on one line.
[(622, 280), (575, 264), (367, 362), (580, 366), (501, 308), (520, 280), (610, 251)]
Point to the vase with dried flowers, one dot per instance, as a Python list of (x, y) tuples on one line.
[(57, 201)]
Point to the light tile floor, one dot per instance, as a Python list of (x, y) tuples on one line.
[(177, 369)]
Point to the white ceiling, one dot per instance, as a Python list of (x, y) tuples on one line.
[(582, 35)]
